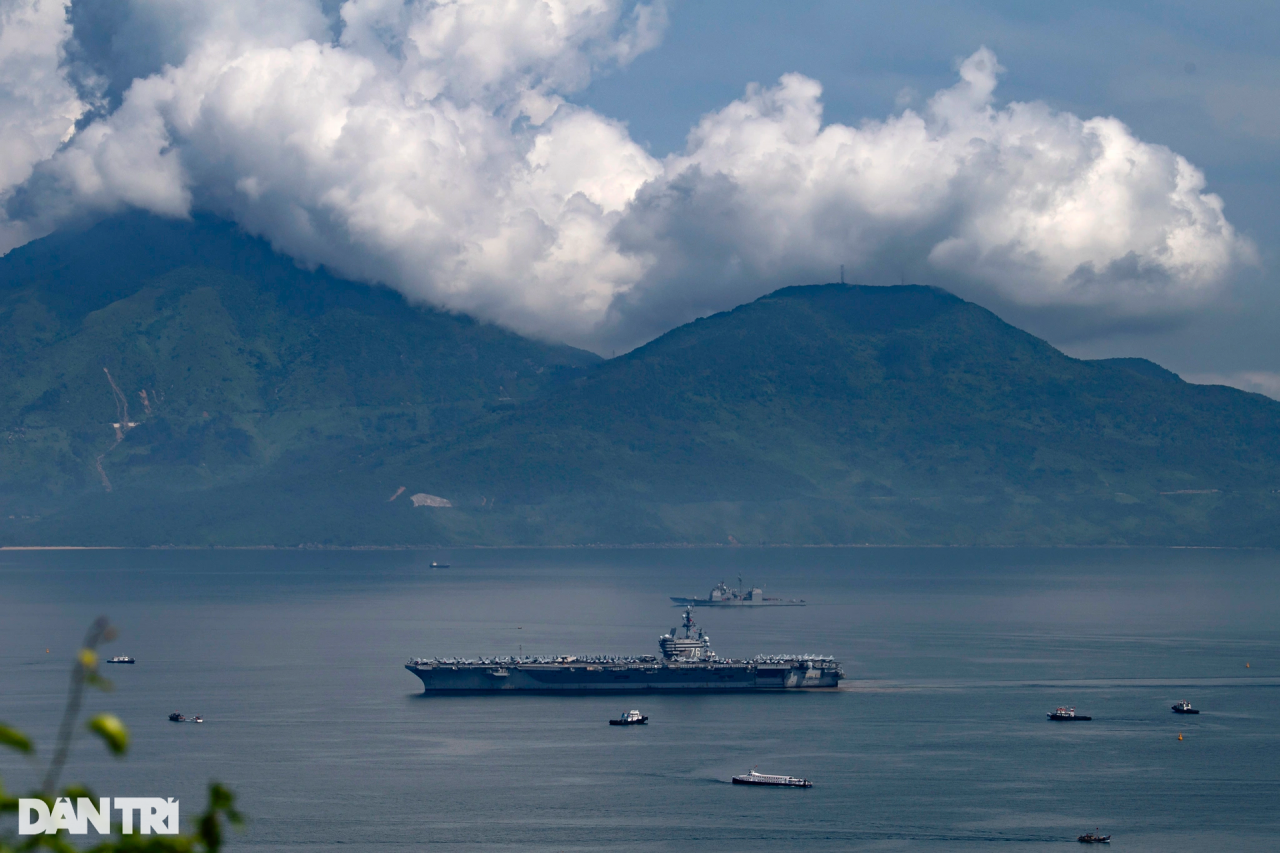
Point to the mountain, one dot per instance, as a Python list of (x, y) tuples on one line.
[(844, 414), (279, 406), (154, 357)]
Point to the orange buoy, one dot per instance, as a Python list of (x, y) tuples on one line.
[(1246, 666), (1179, 735)]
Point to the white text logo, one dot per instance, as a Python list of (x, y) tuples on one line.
[(155, 814)]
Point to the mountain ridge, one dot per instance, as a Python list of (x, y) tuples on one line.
[(220, 372), (957, 437), (312, 410)]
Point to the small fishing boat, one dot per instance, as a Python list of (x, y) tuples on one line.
[(197, 719), (1184, 707), (436, 565), (177, 718), (754, 778), (121, 659), (1093, 838), (631, 718), (1067, 715)]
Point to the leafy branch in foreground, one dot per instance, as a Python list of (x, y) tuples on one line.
[(208, 835)]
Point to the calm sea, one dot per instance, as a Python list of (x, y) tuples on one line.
[(938, 741)]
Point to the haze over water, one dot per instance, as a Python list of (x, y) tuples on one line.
[(938, 740)]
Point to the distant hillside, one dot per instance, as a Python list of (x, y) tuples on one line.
[(834, 414), (147, 356), (286, 407)]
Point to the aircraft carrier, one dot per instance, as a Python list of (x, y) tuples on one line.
[(686, 664)]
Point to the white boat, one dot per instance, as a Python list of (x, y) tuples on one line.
[(631, 718), (754, 778), (1067, 715)]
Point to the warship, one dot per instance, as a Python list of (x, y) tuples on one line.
[(687, 663), (725, 596)]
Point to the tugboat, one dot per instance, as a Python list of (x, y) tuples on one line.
[(177, 718), (121, 659), (631, 718), (754, 778), (1067, 714), (1093, 838), (1184, 707)]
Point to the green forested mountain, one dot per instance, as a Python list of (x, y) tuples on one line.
[(275, 406), (154, 358), (875, 414)]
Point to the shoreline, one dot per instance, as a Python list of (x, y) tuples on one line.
[(604, 547)]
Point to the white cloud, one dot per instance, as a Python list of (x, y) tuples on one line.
[(1037, 207), (38, 106), (428, 147), (1257, 381)]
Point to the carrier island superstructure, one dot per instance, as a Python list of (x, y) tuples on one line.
[(686, 663)]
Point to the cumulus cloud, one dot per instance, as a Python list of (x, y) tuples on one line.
[(427, 145), (1036, 207), (38, 106)]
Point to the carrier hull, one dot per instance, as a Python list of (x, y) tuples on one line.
[(478, 677), (687, 665)]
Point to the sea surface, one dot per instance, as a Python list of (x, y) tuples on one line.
[(938, 739)]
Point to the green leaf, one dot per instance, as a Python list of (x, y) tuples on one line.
[(110, 729), (221, 802), (15, 739)]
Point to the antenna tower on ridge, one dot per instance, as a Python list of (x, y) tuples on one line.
[(842, 273)]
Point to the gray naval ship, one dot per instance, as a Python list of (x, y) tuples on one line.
[(725, 596), (687, 663)]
